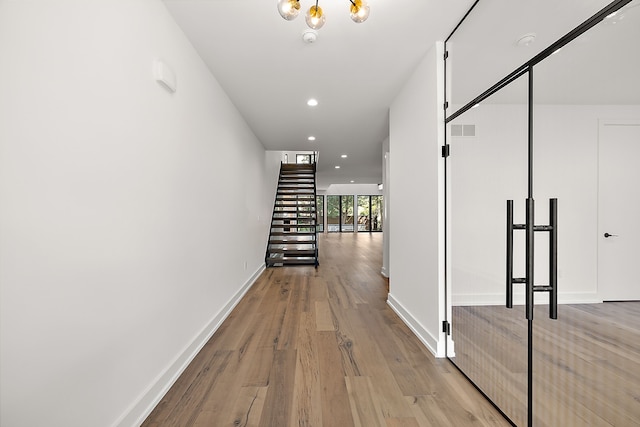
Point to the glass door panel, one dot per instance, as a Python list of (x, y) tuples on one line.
[(484, 171), (518, 31), (346, 218), (587, 143), (376, 213), (333, 214), (364, 213)]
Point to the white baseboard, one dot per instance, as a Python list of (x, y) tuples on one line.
[(431, 342), (140, 410), (384, 272), (499, 299)]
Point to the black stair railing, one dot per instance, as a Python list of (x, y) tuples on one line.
[(315, 204)]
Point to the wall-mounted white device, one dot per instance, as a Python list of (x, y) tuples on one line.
[(164, 75)]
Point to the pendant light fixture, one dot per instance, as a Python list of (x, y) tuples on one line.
[(314, 17), (359, 11), (289, 10)]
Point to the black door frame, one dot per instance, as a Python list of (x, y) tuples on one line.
[(526, 68)]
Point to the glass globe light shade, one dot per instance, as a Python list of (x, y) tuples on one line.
[(289, 9), (359, 11), (315, 18)]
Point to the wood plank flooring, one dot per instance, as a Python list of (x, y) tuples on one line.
[(586, 364), (312, 348)]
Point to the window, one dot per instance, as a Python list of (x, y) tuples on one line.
[(364, 213), (376, 213), (369, 213), (346, 219), (303, 159), (340, 216), (333, 213), (320, 214)]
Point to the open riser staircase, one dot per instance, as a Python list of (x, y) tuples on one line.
[(293, 238)]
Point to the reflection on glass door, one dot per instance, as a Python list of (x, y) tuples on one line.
[(581, 369), (481, 57), (486, 170), (587, 363)]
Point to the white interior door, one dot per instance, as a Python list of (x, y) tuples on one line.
[(619, 210)]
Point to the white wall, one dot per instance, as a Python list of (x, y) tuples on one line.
[(416, 190), (489, 168), (352, 190), (386, 214), (131, 218)]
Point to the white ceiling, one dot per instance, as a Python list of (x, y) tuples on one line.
[(599, 67), (354, 70)]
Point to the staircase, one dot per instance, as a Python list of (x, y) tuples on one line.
[(293, 239)]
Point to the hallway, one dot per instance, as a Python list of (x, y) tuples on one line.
[(321, 347)]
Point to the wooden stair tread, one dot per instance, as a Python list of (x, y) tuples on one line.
[(298, 215), (294, 209), (293, 261), (301, 197), (280, 240), (294, 253), (293, 233)]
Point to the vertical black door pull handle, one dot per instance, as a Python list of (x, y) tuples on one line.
[(553, 258), (509, 254), (530, 228)]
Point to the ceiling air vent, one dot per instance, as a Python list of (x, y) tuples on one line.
[(463, 130)]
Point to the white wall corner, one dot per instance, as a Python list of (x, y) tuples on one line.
[(444, 304), (143, 406), (435, 344)]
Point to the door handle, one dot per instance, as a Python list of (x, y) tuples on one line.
[(531, 228), (607, 235)]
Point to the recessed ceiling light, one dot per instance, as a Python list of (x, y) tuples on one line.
[(352, 181), (344, 156), (312, 102), (312, 138), (337, 167), (526, 40)]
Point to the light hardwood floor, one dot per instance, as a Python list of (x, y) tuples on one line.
[(586, 364), (311, 348)]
